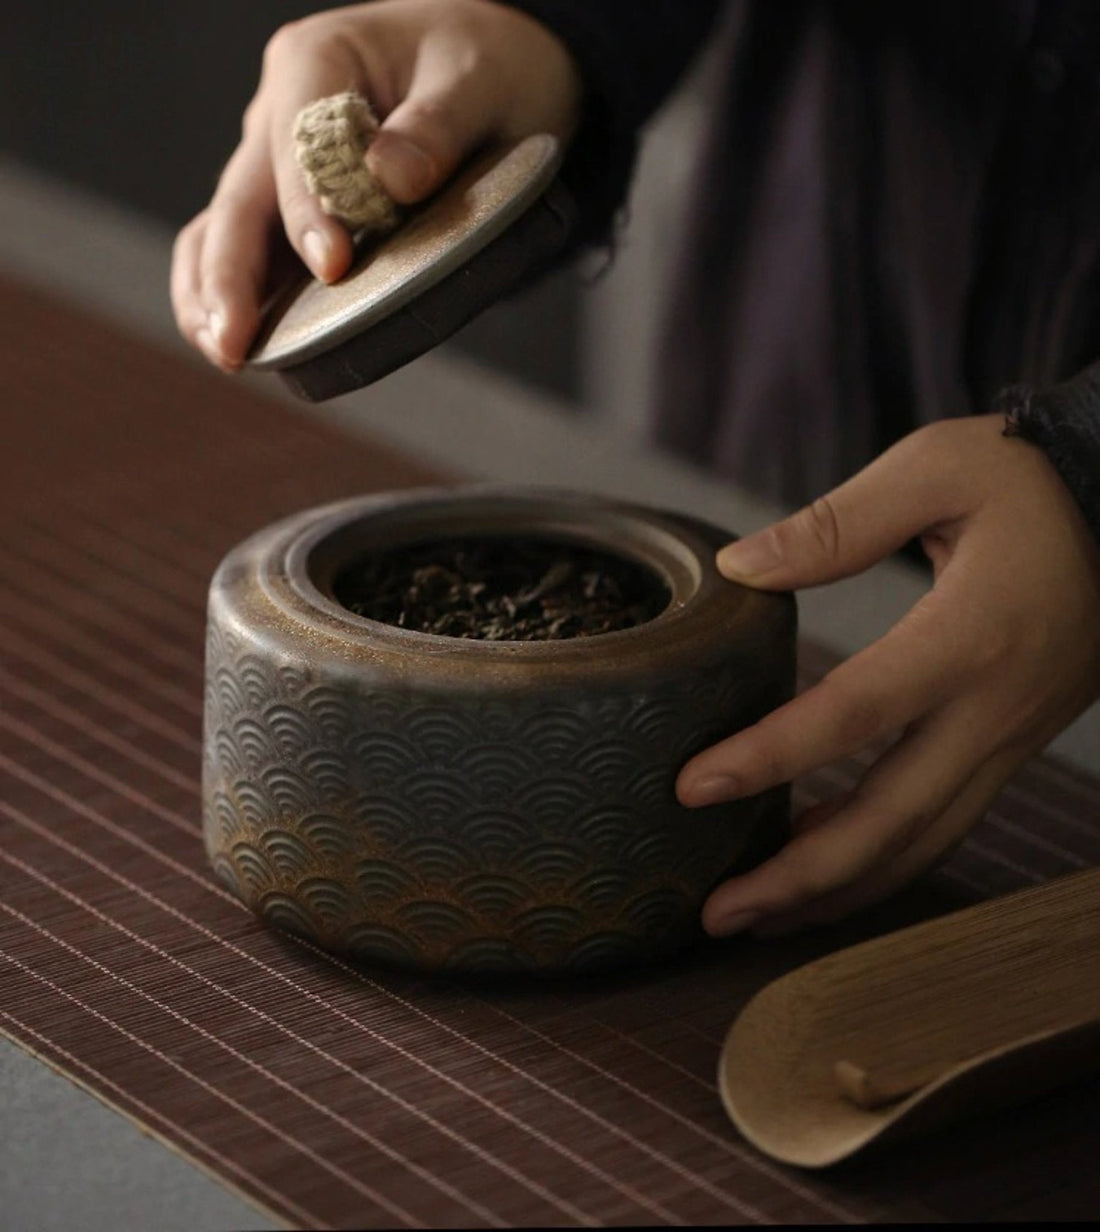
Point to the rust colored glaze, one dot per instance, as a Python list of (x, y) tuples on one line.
[(496, 223), (488, 807)]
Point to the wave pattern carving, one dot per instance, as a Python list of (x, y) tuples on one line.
[(463, 833)]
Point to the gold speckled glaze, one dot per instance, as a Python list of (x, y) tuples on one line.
[(474, 208), (481, 806)]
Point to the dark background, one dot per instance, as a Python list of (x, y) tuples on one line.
[(141, 103)]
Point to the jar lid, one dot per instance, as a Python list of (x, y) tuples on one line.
[(497, 223)]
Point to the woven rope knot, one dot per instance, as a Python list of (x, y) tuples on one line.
[(331, 136)]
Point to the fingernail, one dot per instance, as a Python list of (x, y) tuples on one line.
[(748, 557), (316, 249), (735, 922), (712, 790), (215, 323), (207, 344), (406, 170)]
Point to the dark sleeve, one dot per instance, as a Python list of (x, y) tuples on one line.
[(630, 55), (1064, 421)]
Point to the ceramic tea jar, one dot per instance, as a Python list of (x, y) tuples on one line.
[(440, 802)]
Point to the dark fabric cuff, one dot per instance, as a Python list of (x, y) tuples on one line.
[(630, 56), (1064, 422)]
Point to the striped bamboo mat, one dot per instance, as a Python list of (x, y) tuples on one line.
[(337, 1097)]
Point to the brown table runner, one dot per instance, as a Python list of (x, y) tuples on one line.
[(338, 1097)]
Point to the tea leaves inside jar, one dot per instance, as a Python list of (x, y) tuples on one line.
[(502, 588)]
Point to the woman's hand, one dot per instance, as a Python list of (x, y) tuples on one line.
[(999, 656), (443, 75)]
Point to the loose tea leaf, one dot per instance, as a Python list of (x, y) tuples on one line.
[(500, 588)]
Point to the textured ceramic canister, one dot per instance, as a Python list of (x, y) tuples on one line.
[(483, 806)]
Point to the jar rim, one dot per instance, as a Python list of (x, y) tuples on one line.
[(314, 559)]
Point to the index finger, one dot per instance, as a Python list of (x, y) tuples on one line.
[(872, 695), (232, 261)]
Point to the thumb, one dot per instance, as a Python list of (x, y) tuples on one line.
[(447, 112), (876, 512)]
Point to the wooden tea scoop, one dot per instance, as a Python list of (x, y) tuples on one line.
[(982, 1008), (875, 1088), (882, 1085)]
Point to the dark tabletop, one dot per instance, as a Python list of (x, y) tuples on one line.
[(338, 1096)]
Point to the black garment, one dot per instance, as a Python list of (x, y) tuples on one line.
[(897, 214), (631, 55)]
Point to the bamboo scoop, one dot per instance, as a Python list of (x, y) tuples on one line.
[(976, 1010)]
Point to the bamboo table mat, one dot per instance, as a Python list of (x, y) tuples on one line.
[(337, 1097)]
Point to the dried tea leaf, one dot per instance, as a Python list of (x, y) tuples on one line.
[(502, 588)]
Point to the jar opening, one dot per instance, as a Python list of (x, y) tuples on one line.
[(494, 587)]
